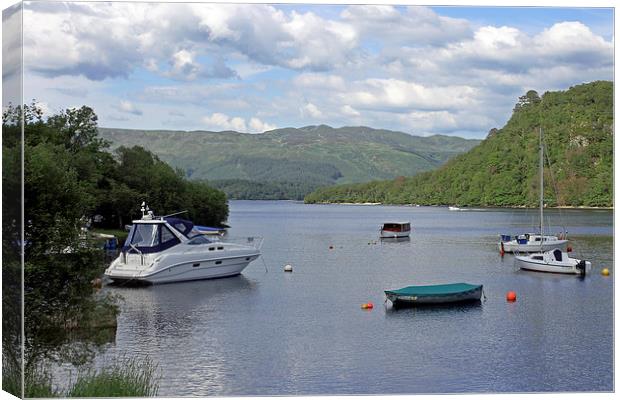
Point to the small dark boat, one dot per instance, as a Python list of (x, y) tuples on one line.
[(435, 294)]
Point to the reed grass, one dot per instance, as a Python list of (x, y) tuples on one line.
[(11, 375), (130, 378), (38, 382)]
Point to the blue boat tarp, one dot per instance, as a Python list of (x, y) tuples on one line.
[(434, 290), (206, 228)]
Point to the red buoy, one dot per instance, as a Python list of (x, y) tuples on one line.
[(511, 296), (569, 249)]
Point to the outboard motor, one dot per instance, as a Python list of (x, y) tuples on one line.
[(581, 267)]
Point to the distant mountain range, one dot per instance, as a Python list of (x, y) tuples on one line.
[(503, 169), (291, 162)]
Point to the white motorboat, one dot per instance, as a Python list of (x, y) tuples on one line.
[(531, 242), (556, 261), (168, 249), (395, 230)]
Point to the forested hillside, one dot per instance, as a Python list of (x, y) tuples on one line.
[(290, 163), (502, 170)]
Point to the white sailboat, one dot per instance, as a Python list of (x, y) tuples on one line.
[(533, 242), (549, 258)]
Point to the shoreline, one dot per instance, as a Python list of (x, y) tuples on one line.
[(464, 208)]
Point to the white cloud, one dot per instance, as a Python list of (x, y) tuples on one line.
[(129, 108), (398, 95), (321, 81), (220, 121), (11, 55), (183, 64), (349, 111), (256, 125), (417, 24), (444, 121), (312, 111), (102, 40)]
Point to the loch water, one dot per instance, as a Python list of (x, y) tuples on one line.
[(269, 332)]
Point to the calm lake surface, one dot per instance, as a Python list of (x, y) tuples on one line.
[(267, 332)]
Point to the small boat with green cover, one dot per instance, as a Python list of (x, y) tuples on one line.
[(435, 294)]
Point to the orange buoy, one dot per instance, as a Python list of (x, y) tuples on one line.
[(367, 306), (511, 296)]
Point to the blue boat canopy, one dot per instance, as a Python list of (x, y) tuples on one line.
[(207, 228), (150, 238)]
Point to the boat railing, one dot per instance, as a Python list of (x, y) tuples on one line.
[(253, 241), (133, 247)]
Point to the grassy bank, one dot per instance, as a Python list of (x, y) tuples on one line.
[(132, 378), (127, 378)]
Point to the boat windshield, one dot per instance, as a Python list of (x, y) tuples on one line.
[(150, 238), (396, 227), (143, 235)]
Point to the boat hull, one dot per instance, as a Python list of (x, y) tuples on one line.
[(184, 271), (566, 267), (472, 294), (532, 247), (394, 235)]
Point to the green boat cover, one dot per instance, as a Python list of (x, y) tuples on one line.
[(434, 290)]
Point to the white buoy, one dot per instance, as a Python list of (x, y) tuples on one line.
[(288, 268)]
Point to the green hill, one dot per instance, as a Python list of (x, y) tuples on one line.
[(502, 170), (290, 162)]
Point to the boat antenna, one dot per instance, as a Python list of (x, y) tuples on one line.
[(144, 208), (176, 213)]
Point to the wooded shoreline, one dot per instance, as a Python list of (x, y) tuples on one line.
[(463, 207)]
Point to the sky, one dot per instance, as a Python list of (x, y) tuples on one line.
[(256, 67)]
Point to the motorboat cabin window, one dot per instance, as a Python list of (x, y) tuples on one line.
[(166, 235), (183, 226), (392, 227), (200, 239), (150, 238)]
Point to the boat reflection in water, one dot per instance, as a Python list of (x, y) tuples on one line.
[(395, 239)]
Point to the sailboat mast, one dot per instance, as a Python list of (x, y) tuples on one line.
[(541, 166)]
